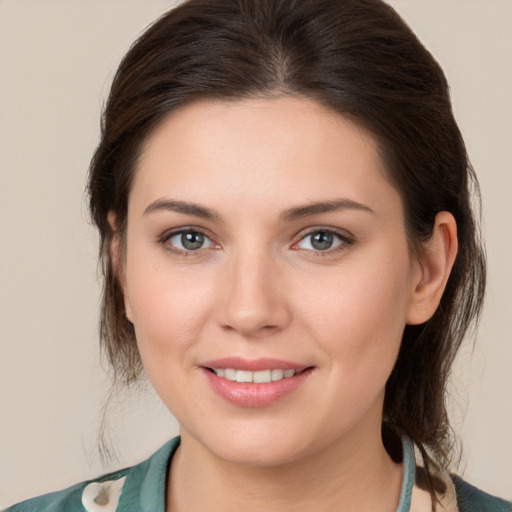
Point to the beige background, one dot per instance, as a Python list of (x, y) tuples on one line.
[(56, 61)]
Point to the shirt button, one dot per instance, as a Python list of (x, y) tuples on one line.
[(102, 497)]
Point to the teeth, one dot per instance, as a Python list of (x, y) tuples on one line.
[(243, 376), (277, 374), (229, 373), (261, 376)]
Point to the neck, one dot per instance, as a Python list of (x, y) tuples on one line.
[(354, 474)]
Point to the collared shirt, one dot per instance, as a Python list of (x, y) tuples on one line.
[(142, 488)]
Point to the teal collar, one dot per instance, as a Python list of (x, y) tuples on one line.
[(145, 485), (409, 469)]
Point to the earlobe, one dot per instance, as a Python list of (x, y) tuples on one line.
[(434, 266), (117, 262)]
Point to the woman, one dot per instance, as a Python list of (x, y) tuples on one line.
[(283, 198)]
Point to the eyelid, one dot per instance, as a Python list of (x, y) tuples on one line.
[(346, 238), (343, 235), (167, 235)]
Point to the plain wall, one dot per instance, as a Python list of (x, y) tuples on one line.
[(57, 58)]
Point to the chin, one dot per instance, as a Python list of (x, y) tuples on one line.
[(255, 445), (259, 455)]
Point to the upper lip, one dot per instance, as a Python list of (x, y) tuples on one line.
[(253, 365)]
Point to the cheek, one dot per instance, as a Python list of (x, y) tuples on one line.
[(169, 313), (169, 309), (360, 317)]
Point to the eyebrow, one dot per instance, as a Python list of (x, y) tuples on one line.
[(299, 212), (295, 213), (182, 207)]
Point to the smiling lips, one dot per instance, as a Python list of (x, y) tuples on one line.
[(260, 376), (254, 383)]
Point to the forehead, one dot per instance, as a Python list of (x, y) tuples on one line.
[(260, 149)]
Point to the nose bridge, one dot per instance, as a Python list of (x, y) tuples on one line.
[(255, 301)]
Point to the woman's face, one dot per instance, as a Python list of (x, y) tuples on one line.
[(264, 241)]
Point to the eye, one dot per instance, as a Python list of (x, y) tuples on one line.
[(322, 240), (188, 240)]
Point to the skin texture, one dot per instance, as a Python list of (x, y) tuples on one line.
[(258, 288)]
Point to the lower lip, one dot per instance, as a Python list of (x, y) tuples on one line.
[(248, 394)]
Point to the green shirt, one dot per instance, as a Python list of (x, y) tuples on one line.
[(142, 488)]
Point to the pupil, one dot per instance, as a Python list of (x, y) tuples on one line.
[(322, 240), (192, 241)]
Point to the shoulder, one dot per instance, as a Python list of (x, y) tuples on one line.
[(120, 490), (70, 499), (471, 499)]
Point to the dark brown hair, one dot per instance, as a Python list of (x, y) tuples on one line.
[(358, 58)]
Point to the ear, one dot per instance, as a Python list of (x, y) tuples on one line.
[(433, 267), (116, 257)]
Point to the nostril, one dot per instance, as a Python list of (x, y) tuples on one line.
[(254, 315)]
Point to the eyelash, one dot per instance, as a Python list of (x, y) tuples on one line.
[(344, 240), (166, 237)]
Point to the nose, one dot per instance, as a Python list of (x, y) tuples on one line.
[(255, 301)]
